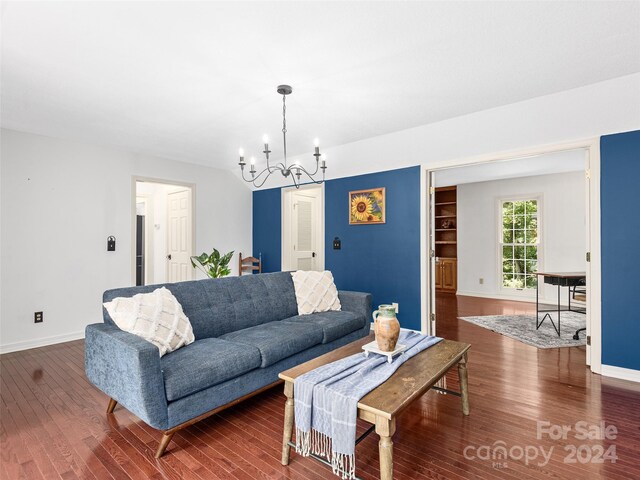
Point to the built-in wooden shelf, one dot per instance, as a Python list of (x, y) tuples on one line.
[(446, 234)]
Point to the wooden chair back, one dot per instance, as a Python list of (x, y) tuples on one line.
[(249, 264)]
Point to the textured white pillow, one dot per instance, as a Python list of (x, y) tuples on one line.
[(315, 292), (157, 317)]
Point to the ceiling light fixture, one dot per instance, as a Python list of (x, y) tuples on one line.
[(296, 170)]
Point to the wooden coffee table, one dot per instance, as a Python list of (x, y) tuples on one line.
[(381, 406)]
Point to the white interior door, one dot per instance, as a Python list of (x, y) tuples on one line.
[(303, 245), (304, 232), (179, 232)]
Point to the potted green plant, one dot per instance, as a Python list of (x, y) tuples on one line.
[(214, 265)]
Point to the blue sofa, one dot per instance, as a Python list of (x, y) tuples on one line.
[(247, 330)]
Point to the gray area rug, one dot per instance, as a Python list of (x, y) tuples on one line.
[(523, 328)]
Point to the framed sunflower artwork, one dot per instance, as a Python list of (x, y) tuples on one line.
[(367, 206)]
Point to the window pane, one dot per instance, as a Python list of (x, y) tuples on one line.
[(518, 236), (531, 236), (518, 208), (507, 266), (531, 206), (518, 281), (518, 266), (532, 253), (507, 280)]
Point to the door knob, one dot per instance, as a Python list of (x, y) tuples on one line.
[(313, 254), (169, 257)]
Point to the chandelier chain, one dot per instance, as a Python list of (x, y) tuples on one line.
[(284, 127)]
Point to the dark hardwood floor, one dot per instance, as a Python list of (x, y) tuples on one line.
[(53, 422)]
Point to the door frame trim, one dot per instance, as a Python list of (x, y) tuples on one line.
[(594, 267), (284, 192), (134, 180), (148, 246)]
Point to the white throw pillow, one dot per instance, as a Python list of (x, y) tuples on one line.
[(157, 317), (315, 292)]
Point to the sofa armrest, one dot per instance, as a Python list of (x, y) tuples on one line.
[(127, 368), (356, 302)]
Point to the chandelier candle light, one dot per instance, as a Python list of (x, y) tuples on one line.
[(296, 169)]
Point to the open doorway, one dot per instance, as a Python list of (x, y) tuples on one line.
[(303, 228), (163, 232), (511, 228)]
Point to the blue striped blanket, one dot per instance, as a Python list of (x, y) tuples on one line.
[(326, 401)]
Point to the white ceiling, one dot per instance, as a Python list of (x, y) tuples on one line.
[(195, 80), (547, 164)]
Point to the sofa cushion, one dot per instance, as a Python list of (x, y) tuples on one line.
[(216, 306), (157, 317), (334, 324), (315, 291), (278, 340), (205, 363)]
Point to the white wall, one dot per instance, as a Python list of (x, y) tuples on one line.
[(606, 107), (53, 245), (563, 222), (60, 200)]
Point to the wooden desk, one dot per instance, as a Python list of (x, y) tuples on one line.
[(561, 279), (382, 405)]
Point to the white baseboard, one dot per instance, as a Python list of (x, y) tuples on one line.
[(513, 298), (41, 342), (621, 373), (497, 296)]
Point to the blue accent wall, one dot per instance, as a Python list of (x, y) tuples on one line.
[(620, 236), (267, 231), (383, 260)]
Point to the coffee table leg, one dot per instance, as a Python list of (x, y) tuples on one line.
[(464, 385), (288, 422), (385, 428)]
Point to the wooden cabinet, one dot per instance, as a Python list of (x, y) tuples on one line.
[(446, 238), (438, 273), (446, 273)]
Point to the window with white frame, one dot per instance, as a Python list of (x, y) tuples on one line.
[(519, 242)]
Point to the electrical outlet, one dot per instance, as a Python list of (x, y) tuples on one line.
[(395, 305), (38, 317), (481, 281)]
